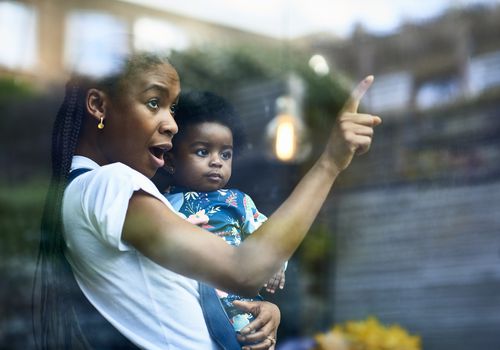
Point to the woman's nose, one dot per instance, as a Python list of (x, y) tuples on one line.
[(169, 126)]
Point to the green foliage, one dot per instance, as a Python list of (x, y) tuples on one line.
[(324, 98), (223, 69), (12, 89), (20, 213), (219, 70), (316, 250)]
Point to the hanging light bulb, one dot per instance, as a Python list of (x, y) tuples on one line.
[(286, 138), (286, 132)]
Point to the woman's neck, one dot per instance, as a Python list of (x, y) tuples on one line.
[(88, 146)]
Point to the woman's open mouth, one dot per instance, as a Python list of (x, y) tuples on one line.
[(158, 154)]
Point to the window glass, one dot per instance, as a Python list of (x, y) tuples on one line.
[(157, 35), (95, 42), (17, 35), (484, 72), (391, 92)]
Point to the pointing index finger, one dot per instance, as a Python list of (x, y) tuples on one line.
[(352, 103)]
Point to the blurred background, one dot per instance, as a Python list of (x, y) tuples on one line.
[(406, 252)]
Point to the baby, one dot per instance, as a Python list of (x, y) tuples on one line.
[(200, 165)]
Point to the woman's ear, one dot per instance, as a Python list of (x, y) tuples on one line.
[(96, 103)]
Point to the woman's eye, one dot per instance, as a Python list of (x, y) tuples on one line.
[(226, 155), (153, 104), (202, 152), (172, 109)]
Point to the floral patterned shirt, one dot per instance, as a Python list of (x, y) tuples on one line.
[(231, 213)]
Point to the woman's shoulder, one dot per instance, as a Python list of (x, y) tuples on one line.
[(119, 172), (112, 178), (119, 169), (113, 170)]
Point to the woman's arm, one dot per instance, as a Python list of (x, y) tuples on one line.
[(170, 241)]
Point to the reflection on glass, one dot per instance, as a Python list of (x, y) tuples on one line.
[(18, 31), (319, 65), (286, 133), (286, 139), (95, 42), (158, 35)]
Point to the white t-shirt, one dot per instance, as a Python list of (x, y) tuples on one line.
[(152, 306)]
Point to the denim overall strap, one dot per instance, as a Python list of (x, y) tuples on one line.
[(73, 174), (100, 334), (219, 327)]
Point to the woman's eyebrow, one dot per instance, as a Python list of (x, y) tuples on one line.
[(160, 87), (176, 100)]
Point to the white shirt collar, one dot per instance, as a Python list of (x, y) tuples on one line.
[(83, 162)]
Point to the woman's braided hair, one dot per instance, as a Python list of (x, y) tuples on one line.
[(56, 325)]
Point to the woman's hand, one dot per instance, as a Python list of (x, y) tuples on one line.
[(260, 334), (353, 131)]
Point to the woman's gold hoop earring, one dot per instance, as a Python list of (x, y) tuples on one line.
[(101, 124)]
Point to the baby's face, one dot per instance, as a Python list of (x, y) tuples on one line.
[(203, 157)]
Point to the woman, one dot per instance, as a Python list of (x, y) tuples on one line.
[(133, 257)]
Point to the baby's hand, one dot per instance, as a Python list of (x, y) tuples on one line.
[(277, 281)]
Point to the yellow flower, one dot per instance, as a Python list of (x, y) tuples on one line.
[(367, 335), (333, 340)]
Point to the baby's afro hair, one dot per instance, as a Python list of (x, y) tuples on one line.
[(196, 107)]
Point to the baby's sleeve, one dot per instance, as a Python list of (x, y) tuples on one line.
[(253, 217)]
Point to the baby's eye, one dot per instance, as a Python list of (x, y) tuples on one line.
[(226, 155), (201, 152), (153, 103)]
